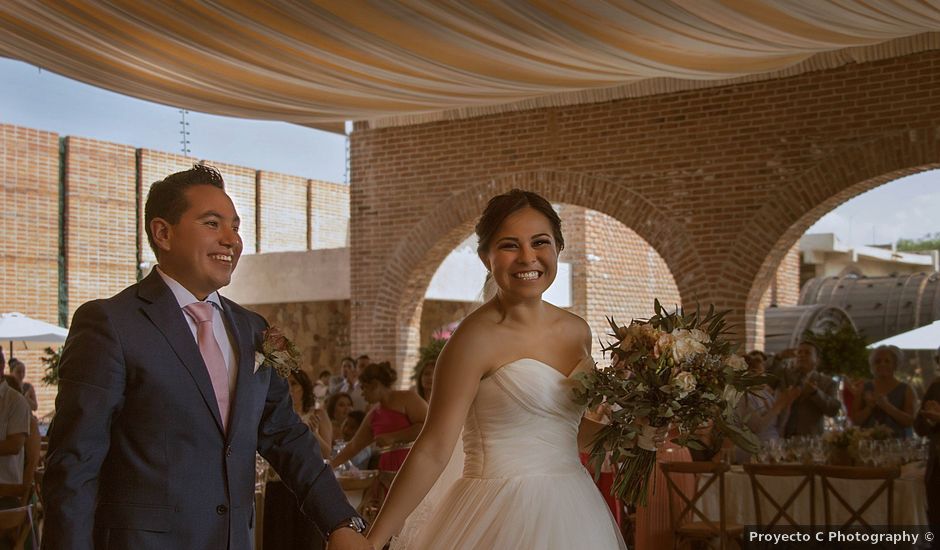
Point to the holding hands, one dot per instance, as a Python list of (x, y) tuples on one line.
[(348, 539)]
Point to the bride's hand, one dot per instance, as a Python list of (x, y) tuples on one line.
[(651, 438), (376, 544)]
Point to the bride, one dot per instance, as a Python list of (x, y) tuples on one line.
[(505, 379)]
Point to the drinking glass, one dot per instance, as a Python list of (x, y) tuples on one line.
[(865, 451), (819, 451)]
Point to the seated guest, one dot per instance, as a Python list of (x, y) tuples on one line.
[(350, 427), (762, 407), (285, 526), (321, 387), (927, 424), (348, 382), (424, 378), (884, 399), (18, 370), (817, 397), (304, 400), (32, 449), (338, 407), (14, 429), (396, 417)]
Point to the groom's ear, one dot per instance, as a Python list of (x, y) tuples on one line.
[(161, 230)]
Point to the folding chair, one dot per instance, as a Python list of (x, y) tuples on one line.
[(856, 513), (802, 483), (698, 527)]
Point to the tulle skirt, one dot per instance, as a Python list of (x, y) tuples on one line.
[(551, 512)]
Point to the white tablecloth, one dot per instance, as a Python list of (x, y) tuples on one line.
[(910, 499)]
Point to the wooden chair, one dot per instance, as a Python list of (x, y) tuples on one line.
[(856, 512), (16, 524), (691, 524), (802, 482)]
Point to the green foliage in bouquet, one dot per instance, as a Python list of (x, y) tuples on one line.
[(50, 364), (841, 352), (673, 369)]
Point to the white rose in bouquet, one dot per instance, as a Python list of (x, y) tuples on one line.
[(737, 363), (684, 382), (685, 346), (700, 336)]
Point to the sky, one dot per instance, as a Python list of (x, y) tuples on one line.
[(904, 208), (46, 101)]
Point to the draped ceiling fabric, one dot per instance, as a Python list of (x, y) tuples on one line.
[(323, 62)]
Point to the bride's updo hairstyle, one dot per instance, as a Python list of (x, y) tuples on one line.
[(501, 206)]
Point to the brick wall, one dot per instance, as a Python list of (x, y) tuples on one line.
[(720, 181), (284, 212), (29, 232), (101, 254), (329, 215), (624, 275)]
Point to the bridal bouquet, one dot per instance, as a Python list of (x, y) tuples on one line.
[(673, 370)]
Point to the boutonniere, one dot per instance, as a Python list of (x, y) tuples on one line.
[(277, 352)]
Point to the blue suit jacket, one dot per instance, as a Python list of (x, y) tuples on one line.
[(137, 456)]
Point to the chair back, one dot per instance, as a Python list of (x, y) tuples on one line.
[(856, 513), (681, 506), (16, 524), (801, 482)]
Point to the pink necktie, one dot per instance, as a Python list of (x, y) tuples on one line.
[(201, 312)]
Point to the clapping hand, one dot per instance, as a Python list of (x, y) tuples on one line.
[(856, 387), (881, 400), (931, 410)]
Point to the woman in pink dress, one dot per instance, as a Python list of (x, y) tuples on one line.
[(395, 419)]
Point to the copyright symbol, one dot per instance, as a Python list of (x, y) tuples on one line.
[(928, 536)]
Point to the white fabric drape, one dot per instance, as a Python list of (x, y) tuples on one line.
[(323, 62)]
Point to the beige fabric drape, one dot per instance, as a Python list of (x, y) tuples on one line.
[(319, 63)]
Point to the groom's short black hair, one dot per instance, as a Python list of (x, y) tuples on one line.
[(167, 197)]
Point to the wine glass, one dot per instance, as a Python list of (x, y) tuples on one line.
[(865, 451), (819, 451), (776, 450)]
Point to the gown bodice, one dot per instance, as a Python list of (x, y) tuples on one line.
[(524, 421)]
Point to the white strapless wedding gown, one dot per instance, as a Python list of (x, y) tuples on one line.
[(523, 486)]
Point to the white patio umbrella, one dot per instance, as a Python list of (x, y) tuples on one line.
[(16, 327), (926, 337)]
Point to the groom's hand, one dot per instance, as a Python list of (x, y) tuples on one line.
[(347, 539)]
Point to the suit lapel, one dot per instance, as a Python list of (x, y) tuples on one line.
[(161, 307), (243, 340)]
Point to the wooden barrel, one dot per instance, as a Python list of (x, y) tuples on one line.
[(784, 326), (880, 307)]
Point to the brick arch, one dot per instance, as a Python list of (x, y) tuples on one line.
[(421, 250), (778, 225)]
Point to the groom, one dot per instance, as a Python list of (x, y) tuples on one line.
[(161, 406)]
